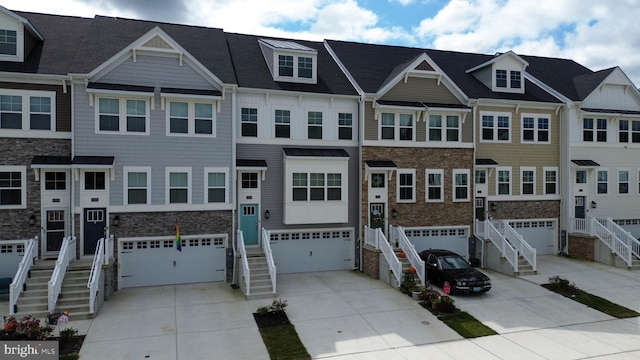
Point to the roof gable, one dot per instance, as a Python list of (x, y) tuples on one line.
[(608, 89)]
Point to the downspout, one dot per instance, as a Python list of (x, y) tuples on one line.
[(234, 182), (360, 176), (72, 210)]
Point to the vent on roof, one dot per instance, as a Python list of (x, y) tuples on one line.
[(157, 42), (424, 66)]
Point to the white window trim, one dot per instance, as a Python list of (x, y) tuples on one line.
[(122, 107), (26, 109), (608, 182), (225, 171), (522, 170), (504, 168), (545, 182), (291, 117), (323, 128), (413, 185), (23, 186), (507, 88), (167, 187), (536, 120), (468, 186), (495, 126), (295, 78), (396, 125), (191, 127), (18, 27), (443, 129), (628, 170), (139, 169), (426, 181), (257, 122), (338, 126), (475, 177)]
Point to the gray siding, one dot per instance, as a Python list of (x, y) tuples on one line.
[(156, 71), (485, 76), (268, 56), (272, 188)]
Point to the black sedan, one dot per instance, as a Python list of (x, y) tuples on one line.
[(446, 267)]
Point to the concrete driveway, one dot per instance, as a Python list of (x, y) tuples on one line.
[(345, 315)]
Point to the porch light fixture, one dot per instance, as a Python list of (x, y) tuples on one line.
[(494, 207), (394, 213), (594, 204), (267, 214), (32, 220), (116, 220)]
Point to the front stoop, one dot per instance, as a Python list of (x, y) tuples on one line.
[(260, 279), (524, 268), (635, 264), (33, 299)]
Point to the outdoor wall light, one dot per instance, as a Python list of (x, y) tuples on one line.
[(394, 213), (116, 220), (594, 204), (32, 220), (493, 207), (267, 214)]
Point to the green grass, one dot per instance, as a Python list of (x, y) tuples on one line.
[(466, 325), (283, 343), (592, 301)]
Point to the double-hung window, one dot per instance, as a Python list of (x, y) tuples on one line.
[(435, 127), (283, 123), (528, 183), (623, 181), (137, 188), (481, 177), (122, 115), (345, 126), (501, 78), (461, 185), (285, 65), (550, 181), (178, 186), (317, 186), (496, 127), (334, 186), (402, 129), (299, 186), (535, 128), (11, 112), (13, 189), (435, 186), (503, 181), (406, 127), (516, 79), (314, 123), (27, 110), (249, 122), (40, 113), (191, 118), (601, 135), (8, 42), (387, 126), (305, 67), (628, 133), (406, 185), (216, 185), (603, 182), (453, 128)]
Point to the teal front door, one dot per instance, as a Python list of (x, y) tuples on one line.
[(249, 223)]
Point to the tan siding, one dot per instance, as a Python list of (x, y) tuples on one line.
[(370, 123), (467, 129), (424, 90), (63, 102), (517, 154)]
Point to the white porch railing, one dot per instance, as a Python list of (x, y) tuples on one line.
[(517, 241), (96, 273), (109, 249), (624, 236), (397, 234), (499, 240), (266, 247), (616, 240), (479, 228), (375, 236), (67, 255), (246, 272), (16, 286)]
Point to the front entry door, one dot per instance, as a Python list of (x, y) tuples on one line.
[(376, 216), (94, 229), (480, 209), (54, 230), (249, 223), (579, 207)]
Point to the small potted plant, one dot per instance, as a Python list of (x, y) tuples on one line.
[(409, 285)]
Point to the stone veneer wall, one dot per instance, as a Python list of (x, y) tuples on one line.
[(14, 223), (421, 213), (543, 209), (371, 261), (582, 246)]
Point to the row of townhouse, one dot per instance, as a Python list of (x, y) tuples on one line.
[(131, 128)]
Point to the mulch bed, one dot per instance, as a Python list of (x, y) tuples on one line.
[(271, 319), (70, 345)]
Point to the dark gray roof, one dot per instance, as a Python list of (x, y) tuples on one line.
[(381, 164), (611, 111), (120, 87), (559, 74), (585, 84), (51, 160), (486, 162), (191, 91), (316, 152), (585, 163), (252, 70), (93, 160), (400, 103), (250, 163)]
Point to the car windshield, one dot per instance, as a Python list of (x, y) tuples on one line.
[(453, 263)]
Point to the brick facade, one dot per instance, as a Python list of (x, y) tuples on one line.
[(371, 261), (582, 246), (525, 209)]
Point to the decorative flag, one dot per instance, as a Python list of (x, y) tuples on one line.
[(178, 240)]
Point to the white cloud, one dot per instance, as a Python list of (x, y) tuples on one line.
[(404, 2)]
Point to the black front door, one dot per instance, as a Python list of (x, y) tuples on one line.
[(579, 207), (54, 229), (480, 209), (94, 229)]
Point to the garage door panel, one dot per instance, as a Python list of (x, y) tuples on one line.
[(541, 235), (158, 262), (453, 239)]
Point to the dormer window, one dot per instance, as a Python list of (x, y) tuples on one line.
[(501, 78), (290, 61), (516, 79), (8, 42)]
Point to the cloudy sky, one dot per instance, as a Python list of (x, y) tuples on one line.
[(598, 34)]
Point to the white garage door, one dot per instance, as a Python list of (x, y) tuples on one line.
[(307, 251), (11, 253), (541, 234), (156, 261), (455, 239), (630, 225)]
